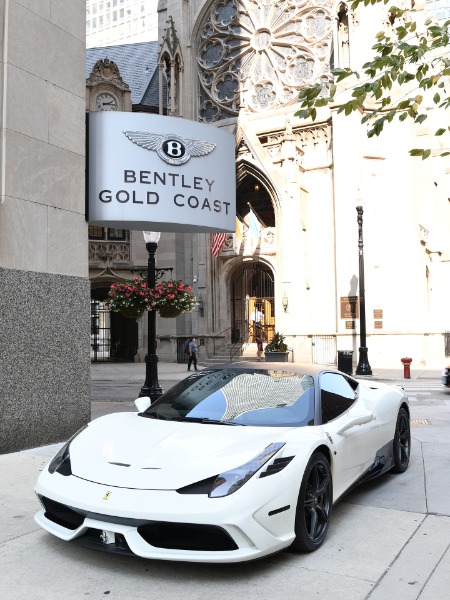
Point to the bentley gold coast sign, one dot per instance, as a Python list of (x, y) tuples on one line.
[(150, 172)]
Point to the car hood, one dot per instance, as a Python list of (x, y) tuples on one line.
[(125, 450)]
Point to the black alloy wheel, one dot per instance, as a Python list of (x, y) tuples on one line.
[(315, 502), (402, 442)]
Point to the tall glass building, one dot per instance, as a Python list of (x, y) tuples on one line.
[(110, 22), (439, 8)]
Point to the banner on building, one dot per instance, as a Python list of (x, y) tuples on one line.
[(238, 236), (150, 172), (253, 233)]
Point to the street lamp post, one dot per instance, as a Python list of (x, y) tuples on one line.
[(363, 367), (151, 386)]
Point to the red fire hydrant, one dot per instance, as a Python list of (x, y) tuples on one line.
[(406, 367)]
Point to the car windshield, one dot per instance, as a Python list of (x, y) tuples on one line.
[(230, 396)]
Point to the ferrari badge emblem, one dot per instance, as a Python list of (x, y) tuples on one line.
[(107, 495), (173, 149)]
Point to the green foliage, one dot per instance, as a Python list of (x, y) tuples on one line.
[(277, 344), (403, 57)]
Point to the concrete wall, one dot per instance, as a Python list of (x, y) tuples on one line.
[(44, 288)]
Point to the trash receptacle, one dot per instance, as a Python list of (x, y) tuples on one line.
[(345, 361)]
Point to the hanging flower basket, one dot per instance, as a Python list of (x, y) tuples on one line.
[(171, 298), (169, 312), (133, 297), (131, 312)]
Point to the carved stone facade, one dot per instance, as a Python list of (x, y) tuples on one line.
[(104, 79), (244, 62), (255, 55)]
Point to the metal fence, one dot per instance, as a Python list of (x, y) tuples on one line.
[(447, 343), (182, 357), (323, 349)]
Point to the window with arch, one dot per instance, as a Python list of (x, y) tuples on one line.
[(255, 56)]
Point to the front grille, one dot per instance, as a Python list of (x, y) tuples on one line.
[(61, 514), (93, 539), (187, 536)]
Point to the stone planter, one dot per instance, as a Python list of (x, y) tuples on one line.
[(277, 356)]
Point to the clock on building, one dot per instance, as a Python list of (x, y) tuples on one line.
[(106, 101)]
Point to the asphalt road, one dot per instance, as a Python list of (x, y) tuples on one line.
[(388, 539)]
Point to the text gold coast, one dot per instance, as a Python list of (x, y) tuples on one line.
[(190, 197)]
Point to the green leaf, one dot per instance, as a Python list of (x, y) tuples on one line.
[(440, 132), (420, 119)]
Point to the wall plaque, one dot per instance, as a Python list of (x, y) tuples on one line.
[(378, 324), (349, 307), (349, 324), (378, 313)]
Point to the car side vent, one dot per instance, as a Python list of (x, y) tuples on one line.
[(278, 465), (200, 487)]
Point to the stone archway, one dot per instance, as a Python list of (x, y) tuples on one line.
[(252, 288), (251, 282)]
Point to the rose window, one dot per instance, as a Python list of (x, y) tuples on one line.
[(255, 55)]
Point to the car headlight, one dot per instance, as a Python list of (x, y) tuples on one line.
[(61, 461), (229, 482)]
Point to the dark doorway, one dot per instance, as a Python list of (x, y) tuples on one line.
[(252, 288), (113, 337)]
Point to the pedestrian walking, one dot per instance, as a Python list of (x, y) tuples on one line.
[(259, 348), (257, 318), (192, 354)]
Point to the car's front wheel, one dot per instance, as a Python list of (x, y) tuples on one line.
[(315, 502), (402, 442)]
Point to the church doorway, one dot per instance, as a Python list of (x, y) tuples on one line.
[(252, 295)]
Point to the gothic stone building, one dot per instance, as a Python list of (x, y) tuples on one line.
[(239, 65)]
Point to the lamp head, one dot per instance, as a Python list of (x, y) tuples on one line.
[(151, 237)]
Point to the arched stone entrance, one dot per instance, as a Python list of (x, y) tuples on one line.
[(252, 281), (252, 289)]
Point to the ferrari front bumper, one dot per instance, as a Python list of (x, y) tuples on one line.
[(161, 524)]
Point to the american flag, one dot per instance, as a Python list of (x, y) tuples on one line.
[(217, 241)]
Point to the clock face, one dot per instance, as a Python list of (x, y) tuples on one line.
[(106, 101)]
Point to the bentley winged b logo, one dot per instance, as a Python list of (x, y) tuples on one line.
[(173, 149)]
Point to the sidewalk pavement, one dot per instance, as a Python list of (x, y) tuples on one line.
[(388, 540)]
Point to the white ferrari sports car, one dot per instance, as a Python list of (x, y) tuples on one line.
[(231, 464)]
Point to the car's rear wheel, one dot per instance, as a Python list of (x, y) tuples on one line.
[(315, 502), (402, 442)]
